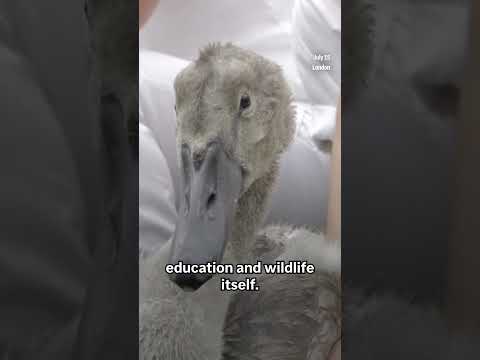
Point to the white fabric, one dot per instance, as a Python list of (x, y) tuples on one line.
[(157, 100), (180, 28), (316, 31), (300, 194), (157, 213)]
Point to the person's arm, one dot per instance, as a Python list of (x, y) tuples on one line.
[(334, 205), (145, 8), (334, 215)]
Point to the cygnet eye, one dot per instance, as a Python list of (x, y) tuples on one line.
[(245, 102)]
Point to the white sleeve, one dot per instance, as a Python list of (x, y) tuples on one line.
[(157, 102), (157, 214)]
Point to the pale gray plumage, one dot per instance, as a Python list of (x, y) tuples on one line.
[(292, 317), (179, 325)]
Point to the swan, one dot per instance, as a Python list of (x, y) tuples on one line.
[(234, 119)]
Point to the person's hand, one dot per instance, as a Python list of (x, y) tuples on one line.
[(145, 10)]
